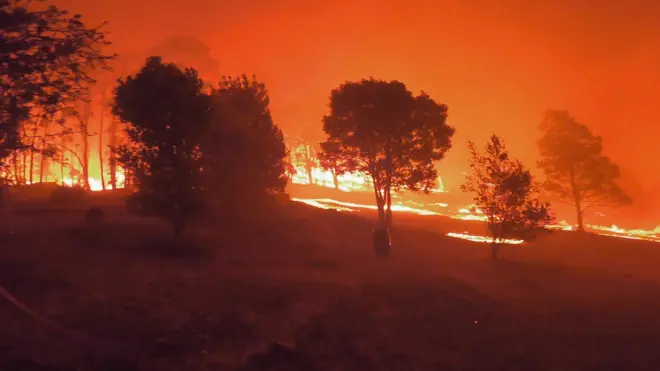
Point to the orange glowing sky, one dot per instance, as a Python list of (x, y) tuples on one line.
[(497, 64)]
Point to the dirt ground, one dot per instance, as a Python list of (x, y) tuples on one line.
[(301, 289)]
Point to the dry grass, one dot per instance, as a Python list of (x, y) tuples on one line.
[(308, 279)]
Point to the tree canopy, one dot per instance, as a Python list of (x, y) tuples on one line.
[(387, 132), (167, 115), (505, 191), (574, 166), (245, 150), (45, 57)]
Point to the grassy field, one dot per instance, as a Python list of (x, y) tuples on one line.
[(300, 289)]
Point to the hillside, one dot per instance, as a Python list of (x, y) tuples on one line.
[(307, 279)]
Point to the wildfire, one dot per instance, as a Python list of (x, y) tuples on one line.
[(309, 171), (313, 174), (329, 204), (470, 213), (474, 238), (346, 182), (635, 234), (65, 176)]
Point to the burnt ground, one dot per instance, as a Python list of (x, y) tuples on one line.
[(301, 289)]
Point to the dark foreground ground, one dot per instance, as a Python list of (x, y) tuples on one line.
[(307, 280)]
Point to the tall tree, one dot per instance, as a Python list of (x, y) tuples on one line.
[(112, 149), (83, 119), (506, 193), (166, 115), (387, 132), (102, 112), (45, 54), (245, 151), (575, 168)]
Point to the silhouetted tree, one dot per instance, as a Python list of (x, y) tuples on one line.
[(83, 117), (387, 132), (506, 193), (575, 168), (166, 115), (112, 150), (244, 149), (44, 56), (332, 160)]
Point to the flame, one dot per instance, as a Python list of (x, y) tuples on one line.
[(321, 205), (562, 226), (346, 182), (635, 234), (329, 204), (308, 171), (475, 238), (70, 177), (349, 182), (470, 213)]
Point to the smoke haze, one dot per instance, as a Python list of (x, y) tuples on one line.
[(497, 64)]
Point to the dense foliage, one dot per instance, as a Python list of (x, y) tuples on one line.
[(46, 55), (504, 190), (167, 115), (383, 130), (575, 168)]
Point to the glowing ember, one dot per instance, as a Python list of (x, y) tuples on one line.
[(484, 239)]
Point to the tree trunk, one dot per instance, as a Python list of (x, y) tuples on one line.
[(24, 167), (34, 139), (388, 184), (101, 141), (382, 220), (85, 158), (494, 250), (62, 158), (380, 205), (113, 164), (42, 160), (580, 222), (310, 176), (309, 165), (577, 199), (84, 131), (62, 170), (388, 211), (17, 176), (335, 179)]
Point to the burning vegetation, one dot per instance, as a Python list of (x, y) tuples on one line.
[(65, 121), (161, 134)]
